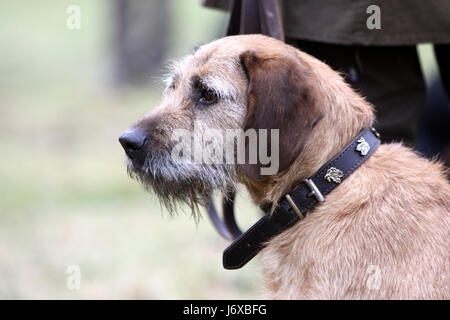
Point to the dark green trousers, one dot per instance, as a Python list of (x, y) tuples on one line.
[(389, 77)]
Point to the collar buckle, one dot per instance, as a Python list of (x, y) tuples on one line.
[(294, 206), (314, 190)]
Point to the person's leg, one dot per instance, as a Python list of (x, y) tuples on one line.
[(389, 77), (442, 52)]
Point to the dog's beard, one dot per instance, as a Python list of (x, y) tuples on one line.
[(181, 183)]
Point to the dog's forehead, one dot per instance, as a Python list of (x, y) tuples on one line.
[(203, 62), (223, 50), (219, 60), (217, 50), (211, 62), (242, 43), (229, 49), (222, 56)]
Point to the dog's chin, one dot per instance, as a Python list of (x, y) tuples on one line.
[(177, 185)]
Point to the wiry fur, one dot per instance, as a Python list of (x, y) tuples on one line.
[(391, 215), (188, 183)]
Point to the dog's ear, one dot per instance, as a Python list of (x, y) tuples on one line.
[(281, 95)]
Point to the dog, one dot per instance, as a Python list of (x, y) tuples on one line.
[(383, 233)]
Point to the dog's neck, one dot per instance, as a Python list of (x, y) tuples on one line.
[(346, 114)]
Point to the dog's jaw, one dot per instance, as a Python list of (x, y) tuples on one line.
[(176, 184)]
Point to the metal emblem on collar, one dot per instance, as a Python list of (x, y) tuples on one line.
[(363, 146), (334, 174)]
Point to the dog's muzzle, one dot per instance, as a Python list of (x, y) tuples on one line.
[(133, 142)]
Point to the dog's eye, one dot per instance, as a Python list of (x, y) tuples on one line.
[(208, 96)]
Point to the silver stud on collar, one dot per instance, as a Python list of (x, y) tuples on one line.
[(375, 132)]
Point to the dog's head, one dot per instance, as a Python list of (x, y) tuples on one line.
[(250, 89)]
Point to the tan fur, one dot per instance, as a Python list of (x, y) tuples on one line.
[(390, 218), (392, 213)]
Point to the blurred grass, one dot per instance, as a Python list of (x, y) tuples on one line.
[(65, 198)]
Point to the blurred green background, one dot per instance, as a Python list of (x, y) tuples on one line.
[(65, 197)]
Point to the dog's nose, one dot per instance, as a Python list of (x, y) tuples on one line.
[(132, 141)]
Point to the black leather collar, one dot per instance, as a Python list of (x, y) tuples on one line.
[(294, 206)]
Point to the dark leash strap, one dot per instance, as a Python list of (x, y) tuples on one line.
[(227, 228), (255, 16), (246, 17), (294, 206)]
